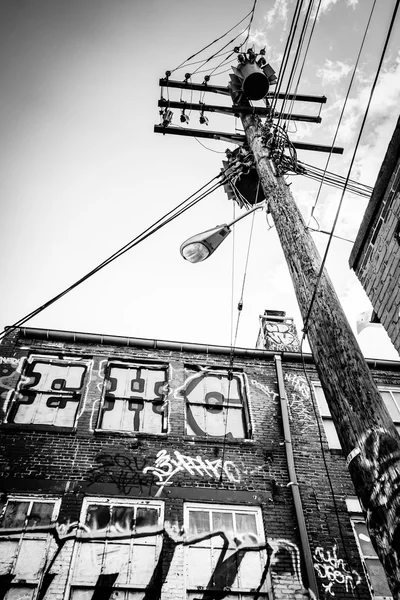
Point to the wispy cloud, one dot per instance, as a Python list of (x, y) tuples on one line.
[(278, 14), (333, 71), (327, 5)]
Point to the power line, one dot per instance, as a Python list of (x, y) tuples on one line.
[(211, 43), (351, 163), (343, 107), (164, 220)]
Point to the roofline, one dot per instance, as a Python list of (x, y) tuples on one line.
[(154, 344), (385, 173)]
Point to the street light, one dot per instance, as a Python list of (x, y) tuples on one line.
[(200, 246)]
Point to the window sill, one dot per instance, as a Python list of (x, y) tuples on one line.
[(218, 440), (38, 428), (129, 434)]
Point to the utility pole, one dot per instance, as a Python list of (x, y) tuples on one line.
[(367, 434)]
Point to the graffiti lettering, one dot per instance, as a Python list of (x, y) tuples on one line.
[(281, 336), (123, 471), (379, 462), (297, 408), (165, 467), (9, 360), (299, 383), (334, 570), (264, 388), (233, 550)]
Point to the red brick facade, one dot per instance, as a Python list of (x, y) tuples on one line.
[(211, 501)]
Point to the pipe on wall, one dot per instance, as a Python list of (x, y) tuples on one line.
[(298, 506)]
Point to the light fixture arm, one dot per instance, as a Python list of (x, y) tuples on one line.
[(259, 205), (201, 246)]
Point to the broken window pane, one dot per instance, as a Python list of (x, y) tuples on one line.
[(134, 399), (24, 556), (98, 517), (15, 514), (121, 550)]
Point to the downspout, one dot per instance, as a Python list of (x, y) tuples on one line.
[(298, 507)]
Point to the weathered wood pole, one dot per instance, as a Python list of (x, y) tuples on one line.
[(366, 432)]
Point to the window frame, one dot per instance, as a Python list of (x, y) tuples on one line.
[(22, 390), (356, 516), (82, 532), (32, 535), (327, 416), (240, 593), (192, 371), (136, 364)]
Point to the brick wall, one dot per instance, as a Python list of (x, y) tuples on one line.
[(89, 462), (379, 265)]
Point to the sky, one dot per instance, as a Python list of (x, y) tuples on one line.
[(82, 172)]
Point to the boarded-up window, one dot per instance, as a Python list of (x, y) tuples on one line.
[(24, 545), (134, 399), (376, 575), (51, 394), (118, 548), (390, 397), (216, 405), (225, 552)]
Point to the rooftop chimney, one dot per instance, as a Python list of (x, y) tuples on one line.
[(277, 332)]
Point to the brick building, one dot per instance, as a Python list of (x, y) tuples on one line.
[(375, 257), (143, 469)]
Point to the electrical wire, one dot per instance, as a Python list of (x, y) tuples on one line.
[(286, 53), (328, 233), (351, 164), (164, 220), (291, 105), (333, 180), (212, 43), (344, 106), (299, 48), (210, 149)]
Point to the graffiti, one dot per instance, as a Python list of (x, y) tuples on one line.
[(299, 383), (10, 369), (165, 467), (214, 404), (264, 388), (281, 336), (126, 472), (50, 394), (110, 534), (378, 464), (9, 360), (298, 411), (334, 570)]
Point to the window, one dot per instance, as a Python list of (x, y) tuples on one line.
[(390, 396), (52, 393), (330, 430), (375, 574), (225, 552), (24, 544), (216, 405), (134, 398), (118, 547)]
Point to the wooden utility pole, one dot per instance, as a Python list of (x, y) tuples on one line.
[(367, 434)]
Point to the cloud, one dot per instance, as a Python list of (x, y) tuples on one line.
[(326, 6), (278, 13), (333, 71)]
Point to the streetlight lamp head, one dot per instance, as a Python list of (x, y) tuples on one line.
[(200, 246)]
